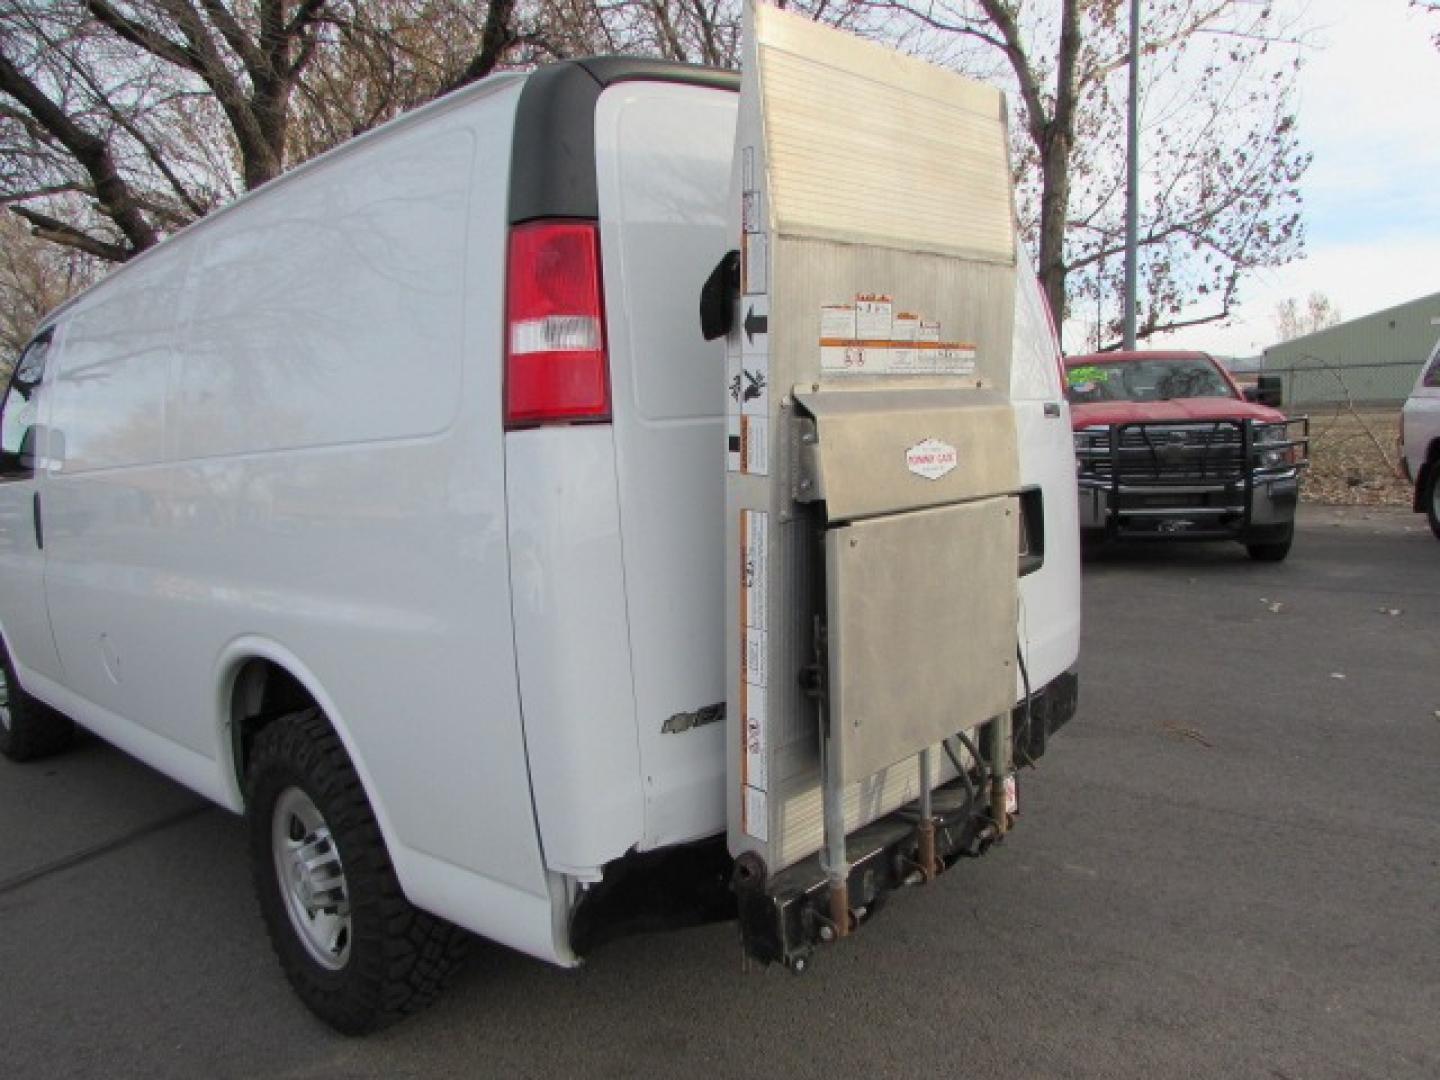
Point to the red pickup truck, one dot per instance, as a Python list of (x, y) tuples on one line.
[(1168, 447)]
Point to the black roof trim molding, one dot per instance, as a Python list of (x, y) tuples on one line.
[(553, 156)]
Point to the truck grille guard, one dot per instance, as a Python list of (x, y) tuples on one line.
[(1160, 471)]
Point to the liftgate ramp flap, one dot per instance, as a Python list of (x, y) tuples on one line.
[(871, 512)]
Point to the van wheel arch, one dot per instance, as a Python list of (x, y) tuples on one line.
[(29, 729), (261, 692), (353, 948)]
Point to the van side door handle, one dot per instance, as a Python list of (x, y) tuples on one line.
[(39, 524)]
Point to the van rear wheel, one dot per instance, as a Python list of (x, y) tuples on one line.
[(29, 728), (353, 948)]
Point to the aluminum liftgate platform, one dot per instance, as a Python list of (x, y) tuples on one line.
[(872, 507)]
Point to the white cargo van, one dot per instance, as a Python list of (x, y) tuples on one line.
[(385, 507)]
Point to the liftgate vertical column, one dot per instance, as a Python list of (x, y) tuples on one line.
[(871, 523)]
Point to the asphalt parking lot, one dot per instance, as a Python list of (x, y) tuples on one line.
[(1228, 866)]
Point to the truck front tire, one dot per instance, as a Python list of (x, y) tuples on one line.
[(29, 729), (1273, 550), (354, 949)]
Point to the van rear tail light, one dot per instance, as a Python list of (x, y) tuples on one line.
[(556, 366)]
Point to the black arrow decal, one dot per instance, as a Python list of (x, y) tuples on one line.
[(755, 324)]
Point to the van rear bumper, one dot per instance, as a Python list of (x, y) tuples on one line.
[(784, 917)]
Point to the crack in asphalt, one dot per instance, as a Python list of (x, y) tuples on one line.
[(95, 851)]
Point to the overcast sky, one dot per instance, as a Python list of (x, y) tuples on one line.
[(1369, 110)]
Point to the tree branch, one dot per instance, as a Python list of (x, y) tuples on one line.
[(57, 232), (90, 152), (965, 29), (138, 34), (1014, 48), (308, 13), (1103, 68), (42, 192), (239, 41), (497, 36)]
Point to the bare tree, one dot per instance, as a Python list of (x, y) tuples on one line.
[(1293, 321), (1221, 154), (35, 276), (122, 120)]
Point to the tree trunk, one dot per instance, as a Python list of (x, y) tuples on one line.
[(1055, 152), (1054, 206)]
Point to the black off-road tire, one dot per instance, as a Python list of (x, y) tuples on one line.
[(1430, 497), (29, 728), (1274, 550), (399, 957)]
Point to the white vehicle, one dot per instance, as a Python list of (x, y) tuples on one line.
[(1420, 440), (364, 509)]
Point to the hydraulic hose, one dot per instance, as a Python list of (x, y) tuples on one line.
[(1024, 744), (969, 745)]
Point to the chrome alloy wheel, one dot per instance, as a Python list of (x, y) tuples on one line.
[(311, 878), (4, 700)]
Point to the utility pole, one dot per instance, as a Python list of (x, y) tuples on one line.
[(1132, 169)]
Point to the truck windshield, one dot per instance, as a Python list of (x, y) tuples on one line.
[(1161, 379)]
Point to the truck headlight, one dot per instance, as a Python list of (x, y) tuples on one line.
[(1268, 435), (1084, 449)]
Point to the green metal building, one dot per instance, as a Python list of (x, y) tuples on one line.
[(1372, 360)]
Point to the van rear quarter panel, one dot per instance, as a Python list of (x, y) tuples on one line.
[(330, 481), (663, 156), (1050, 597), (615, 528)]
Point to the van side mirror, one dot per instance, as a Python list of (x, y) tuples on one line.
[(717, 297), (38, 445)]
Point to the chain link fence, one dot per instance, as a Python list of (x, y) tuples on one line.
[(1314, 382)]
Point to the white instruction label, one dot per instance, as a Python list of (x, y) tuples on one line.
[(754, 263), (752, 211), (754, 568), (869, 337), (755, 325), (734, 384), (873, 317), (755, 816), (747, 427), (755, 445), (905, 330), (756, 772), (837, 322), (754, 616), (755, 658), (753, 389)]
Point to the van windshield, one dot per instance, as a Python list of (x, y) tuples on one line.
[(1161, 379)]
